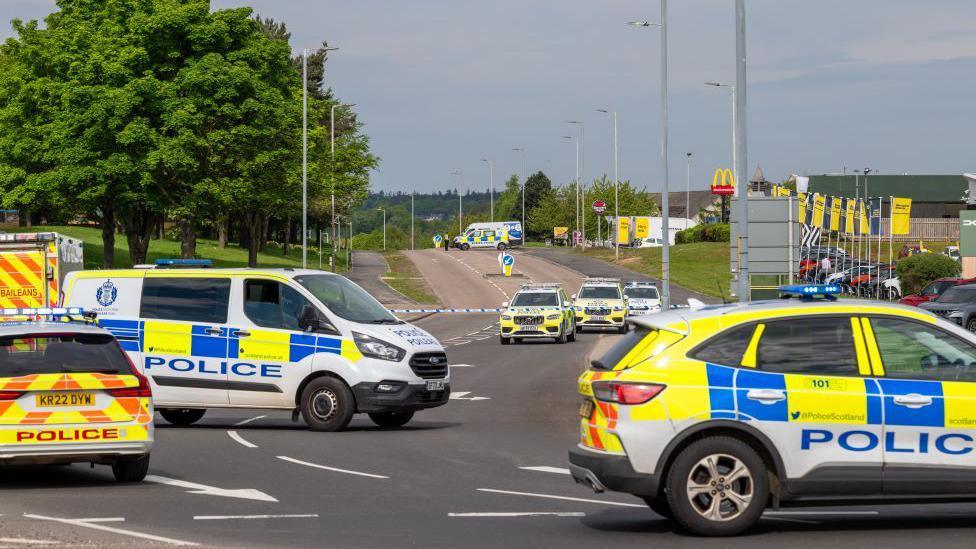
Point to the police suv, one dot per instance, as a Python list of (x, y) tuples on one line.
[(715, 414), (69, 394), (600, 304), (302, 340), (537, 310), (642, 298)]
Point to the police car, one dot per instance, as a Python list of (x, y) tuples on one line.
[(600, 304), (642, 298), (303, 340), (69, 394), (715, 414), (537, 310)]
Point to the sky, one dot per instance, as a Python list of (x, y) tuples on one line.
[(832, 84)]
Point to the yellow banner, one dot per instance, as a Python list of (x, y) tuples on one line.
[(849, 217), (818, 210), (901, 215), (801, 201), (865, 222), (835, 213), (642, 228), (783, 191), (623, 230)]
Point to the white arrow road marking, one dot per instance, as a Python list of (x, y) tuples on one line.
[(246, 421), (87, 523), (539, 514), (250, 517), (240, 440), (195, 488), (550, 496), (317, 466), (463, 366), (547, 469), (462, 395)]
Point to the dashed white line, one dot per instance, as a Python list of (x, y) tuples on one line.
[(95, 526), (564, 498), (462, 343), (251, 517), (30, 541), (240, 440), (506, 515), (333, 469), (246, 421), (103, 519), (547, 469)]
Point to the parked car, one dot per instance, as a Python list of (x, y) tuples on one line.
[(957, 304), (933, 290), (952, 252)]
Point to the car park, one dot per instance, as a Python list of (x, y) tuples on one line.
[(537, 311), (642, 298), (716, 414), (933, 290), (69, 394), (600, 303)]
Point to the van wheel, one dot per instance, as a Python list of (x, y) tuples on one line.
[(622, 329), (391, 419), (327, 404), (464, 246), (718, 486), (502, 246), (131, 470), (182, 416)]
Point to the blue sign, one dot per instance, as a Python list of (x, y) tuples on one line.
[(508, 259)]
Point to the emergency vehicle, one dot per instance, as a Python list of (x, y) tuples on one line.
[(33, 267), (712, 415), (642, 298), (493, 238), (69, 394), (537, 310), (303, 340), (600, 304)]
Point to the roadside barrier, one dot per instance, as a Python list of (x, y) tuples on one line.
[(445, 310)]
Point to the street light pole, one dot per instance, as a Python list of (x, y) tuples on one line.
[(580, 185), (616, 180), (576, 189), (491, 185), (460, 183), (384, 227), (688, 191), (741, 158), (304, 158), (332, 140), (524, 181), (412, 193)]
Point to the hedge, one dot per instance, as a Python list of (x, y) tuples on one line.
[(917, 271), (709, 232)]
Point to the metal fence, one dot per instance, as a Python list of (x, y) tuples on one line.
[(924, 228)]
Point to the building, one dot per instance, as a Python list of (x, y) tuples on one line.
[(700, 203), (933, 196)]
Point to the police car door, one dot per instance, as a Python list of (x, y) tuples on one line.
[(929, 406), (185, 337), (810, 395)]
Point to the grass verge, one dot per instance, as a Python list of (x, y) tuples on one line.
[(405, 278)]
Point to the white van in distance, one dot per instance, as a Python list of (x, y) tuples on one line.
[(302, 340)]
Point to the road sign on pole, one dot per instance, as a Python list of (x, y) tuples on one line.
[(507, 261)]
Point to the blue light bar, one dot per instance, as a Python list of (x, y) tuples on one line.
[(184, 263), (807, 292), (44, 311)]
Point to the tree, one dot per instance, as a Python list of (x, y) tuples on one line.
[(508, 205), (536, 187)]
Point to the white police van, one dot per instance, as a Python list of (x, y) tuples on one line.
[(302, 340)]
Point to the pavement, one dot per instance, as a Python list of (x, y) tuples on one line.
[(486, 470), (368, 270)]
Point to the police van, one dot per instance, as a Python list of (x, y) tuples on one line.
[(712, 415), (302, 340)]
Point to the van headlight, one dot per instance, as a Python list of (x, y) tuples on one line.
[(377, 348)]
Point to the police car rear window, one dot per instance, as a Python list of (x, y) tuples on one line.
[(186, 299), (726, 349), (86, 353), (620, 349)]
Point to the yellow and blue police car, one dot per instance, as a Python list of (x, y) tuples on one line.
[(537, 310), (715, 414), (69, 394), (600, 303), (642, 298)]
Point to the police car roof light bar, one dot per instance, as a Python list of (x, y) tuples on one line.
[(540, 286), (53, 313), (184, 263), (808, 292), (598, 279), (27, 237)]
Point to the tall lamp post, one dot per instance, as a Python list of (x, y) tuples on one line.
[(384, 227), (616, 179), (731, 89), (524, 181), (332, 140), (665, 209), (491, 185), (305, 154), (460, 183), (576, 190), (688, 190), (580, 185)]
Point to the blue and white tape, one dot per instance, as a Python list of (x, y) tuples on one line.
[(445, 310)]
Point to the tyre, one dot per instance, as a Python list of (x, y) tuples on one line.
[(504, 340), (517, 340), (571, 336), (622, 329), (182, 416), (131, 470), (327, 404), (717, 486), (562, 337), (502, 246), (391, 419), (579, 329), (660, 506), (464, 246), (971, 324)]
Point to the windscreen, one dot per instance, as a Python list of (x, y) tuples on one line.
[(536, 299), (346, 300), (61, 354), (938, 287), (958, 295), (642, 292), (599, 292)]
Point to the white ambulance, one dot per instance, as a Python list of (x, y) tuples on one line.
[(302, 340)]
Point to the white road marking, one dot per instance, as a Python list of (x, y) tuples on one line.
[(547, 469), (103, 519), (538, 514), (251, 517), (458, 394), (462, 395), (246, 421), (195, 488), (815, 513), (462, 366), (102, 527), (787, 519), (240, 440), (564, 498), (334, 469), (461, 343), (30, 541)]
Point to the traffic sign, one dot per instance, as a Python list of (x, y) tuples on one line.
[(507, 261), (599, 206)]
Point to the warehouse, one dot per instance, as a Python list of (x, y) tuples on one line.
[(933, 196)]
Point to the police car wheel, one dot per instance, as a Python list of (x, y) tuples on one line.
[(391, 419), (327, 404), (622, 329), (465, 246), (971, 325), (131, 470), (182, 416), (504, 340), (562, 337), (718, 486)]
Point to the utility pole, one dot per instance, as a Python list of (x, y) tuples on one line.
[(688, 191), (616, 179), (460, 183), (522, 176), (412, 193), (384, 227), (491, 185), (741, 149), (304, 158)]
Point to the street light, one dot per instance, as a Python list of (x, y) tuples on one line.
[(576, 190), (305, 154), (491, 185), (384, 227), (688, 191), (734, 166), (332, 190), (616, 180), (460, 183), (580, 186), (665, 209), (524, 181)]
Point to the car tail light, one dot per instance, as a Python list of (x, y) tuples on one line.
[(10, 395), (626, 393), (142, 390)]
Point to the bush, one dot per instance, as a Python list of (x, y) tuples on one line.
[(710, 232), (916, 272)]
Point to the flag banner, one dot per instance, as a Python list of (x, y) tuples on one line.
[(863, 226), (801, 204), (849, 217), (783, 191), (774, 190), (835, 203), (875, 205), (818, 210), (901, 215), (623, 229), (809, 236)]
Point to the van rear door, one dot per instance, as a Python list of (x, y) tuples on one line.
[(23, 279)]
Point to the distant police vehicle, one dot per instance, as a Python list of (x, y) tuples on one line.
[(301, 340), (538, 310), (642, 298), (512, 228), (494, 238), (712, 415), (600, 304), (69, 394)]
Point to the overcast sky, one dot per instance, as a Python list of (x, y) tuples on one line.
[(440, 84)]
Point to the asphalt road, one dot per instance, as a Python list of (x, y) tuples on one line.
[(486, 470)]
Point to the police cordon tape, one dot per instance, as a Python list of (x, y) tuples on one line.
[(446, 310)]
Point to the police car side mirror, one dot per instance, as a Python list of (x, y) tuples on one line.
[(574, 297), (504, 305)]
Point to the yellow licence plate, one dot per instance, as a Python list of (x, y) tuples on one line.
[(64, 400)]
